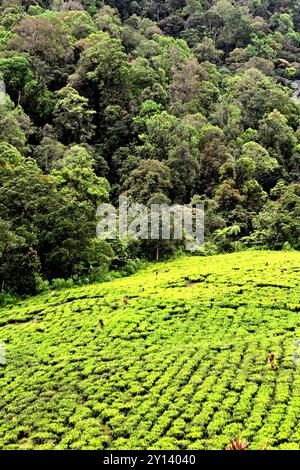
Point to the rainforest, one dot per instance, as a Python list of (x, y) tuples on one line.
[(176, 101), (136, 343)]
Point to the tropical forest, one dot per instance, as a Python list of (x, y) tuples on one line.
[(131, 343)]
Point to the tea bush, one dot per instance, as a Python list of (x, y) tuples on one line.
[(182, 364)]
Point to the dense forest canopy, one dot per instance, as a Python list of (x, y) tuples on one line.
[(173, 101)]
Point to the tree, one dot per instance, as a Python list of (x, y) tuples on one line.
[(103, 71), (206, 50), (186, 80), (21, 193), (117, 129), (9, 156), (214, 156), (164, 133), (185, 173), (245, 169), (149, 178), (71, 5), (50, 227), (72, 117), (18, 76), (278, 221), (75, 174), (11, 13), (277, 136), (230, 23), (267, 170), (45, 38), (15, 126), (108, 20), (79, 23), (255, 198), (123, 162), (258, 95), (228, 196), (49, 153)]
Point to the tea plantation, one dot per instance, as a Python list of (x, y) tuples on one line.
[(173, 357)]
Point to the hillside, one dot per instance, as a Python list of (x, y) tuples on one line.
[(173, 357), (171, 102)]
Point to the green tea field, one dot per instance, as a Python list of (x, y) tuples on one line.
[(187, 354)]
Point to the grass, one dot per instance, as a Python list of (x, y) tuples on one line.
[(173, 357)]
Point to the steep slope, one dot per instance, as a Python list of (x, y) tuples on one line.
[(172, 357)]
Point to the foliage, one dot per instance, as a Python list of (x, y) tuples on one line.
[(176, 101), (173, 357)]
